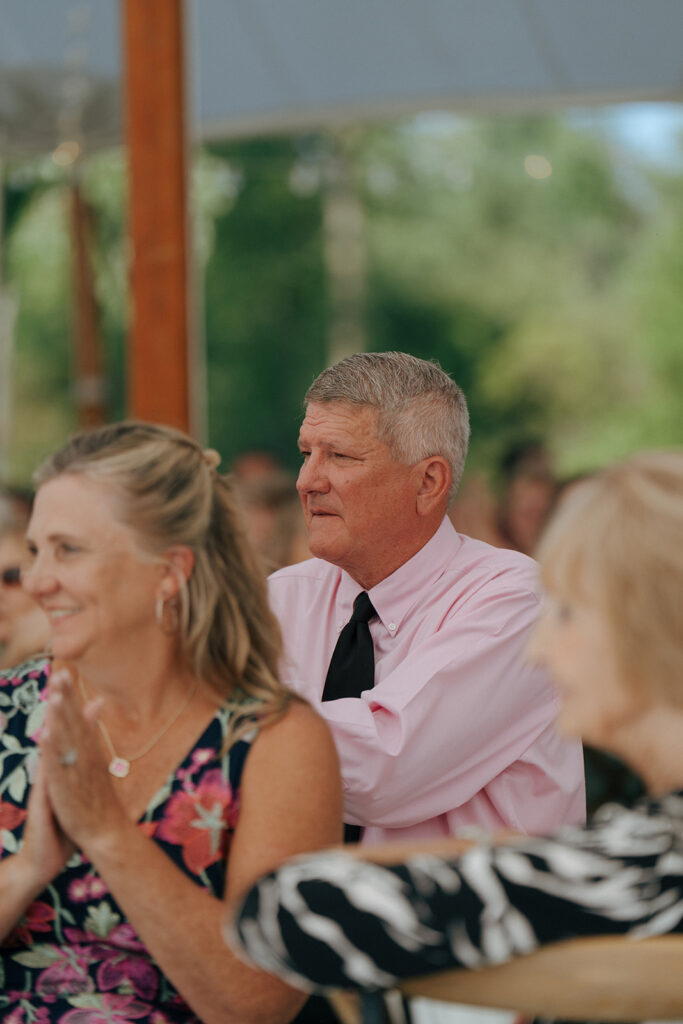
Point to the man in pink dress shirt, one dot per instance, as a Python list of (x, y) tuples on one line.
[(458, 729)]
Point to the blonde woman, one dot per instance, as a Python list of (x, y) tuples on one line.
[(158, 764), (612, 636)]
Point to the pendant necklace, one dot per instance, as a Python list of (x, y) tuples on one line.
[(119, 766)]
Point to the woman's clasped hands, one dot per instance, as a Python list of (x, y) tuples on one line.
[(72, 799)]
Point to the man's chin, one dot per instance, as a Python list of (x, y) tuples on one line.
[(328, 552), (323, 544)]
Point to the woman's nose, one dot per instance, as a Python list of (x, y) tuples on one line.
[(37, 578), (538, 641)]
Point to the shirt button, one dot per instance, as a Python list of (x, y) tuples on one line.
[(392, 627)]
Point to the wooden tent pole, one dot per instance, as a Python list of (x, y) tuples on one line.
[(158, 357), (89, 380)]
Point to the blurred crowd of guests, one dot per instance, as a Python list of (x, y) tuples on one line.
[(273, 513), (511, 511)]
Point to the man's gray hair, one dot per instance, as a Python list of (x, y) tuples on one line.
[(421, 411)]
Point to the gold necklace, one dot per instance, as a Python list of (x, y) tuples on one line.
[(119, 766)]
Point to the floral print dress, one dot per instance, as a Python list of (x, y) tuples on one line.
[(73, 957)]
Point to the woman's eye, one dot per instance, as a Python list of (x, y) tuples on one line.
[(557, 609), (67, 549), (563, 611)]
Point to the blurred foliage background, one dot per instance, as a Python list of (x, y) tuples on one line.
[(537, 263)]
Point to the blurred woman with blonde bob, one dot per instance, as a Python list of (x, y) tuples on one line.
[(612, 636), (157, 764)]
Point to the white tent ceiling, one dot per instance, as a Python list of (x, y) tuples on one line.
[(276, 64)]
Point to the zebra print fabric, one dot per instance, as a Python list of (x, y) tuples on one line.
[(329, 920)]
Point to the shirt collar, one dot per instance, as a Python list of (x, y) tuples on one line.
[(395, 596)]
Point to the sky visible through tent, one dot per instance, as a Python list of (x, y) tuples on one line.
[(653, 131)]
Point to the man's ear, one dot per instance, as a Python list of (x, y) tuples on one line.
[(180, 564), (434, 485)]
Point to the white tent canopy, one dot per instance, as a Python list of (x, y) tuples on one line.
[(259, 65)]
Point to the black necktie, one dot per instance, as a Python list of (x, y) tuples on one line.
[(352, 666)]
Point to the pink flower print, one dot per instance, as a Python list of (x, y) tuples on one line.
[(15, 1016), (120, 968), (38, 918), (197, 821), (68, 975), (90, 887), (113, 1009), (79, 890), (202, 756), (11, 816), (39, 1015), (97, 888), (122, 936)]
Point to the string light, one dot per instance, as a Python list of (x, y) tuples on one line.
[(537, 166)]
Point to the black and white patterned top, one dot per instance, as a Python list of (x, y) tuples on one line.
[(328, 920)]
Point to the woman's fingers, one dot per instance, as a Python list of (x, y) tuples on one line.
[(80, 789), (45, 844)]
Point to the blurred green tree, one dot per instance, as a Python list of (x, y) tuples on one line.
[(264, 300)]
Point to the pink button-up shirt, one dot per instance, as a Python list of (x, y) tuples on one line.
[(458, 729)]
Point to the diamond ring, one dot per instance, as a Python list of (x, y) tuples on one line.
[(69, 756)]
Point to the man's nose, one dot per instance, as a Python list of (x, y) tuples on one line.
[(312, 476)]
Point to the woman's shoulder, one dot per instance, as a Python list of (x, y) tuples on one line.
[(299, 719), (292, 782), (299, 735)]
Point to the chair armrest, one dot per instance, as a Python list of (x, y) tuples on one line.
[(609, 978)]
